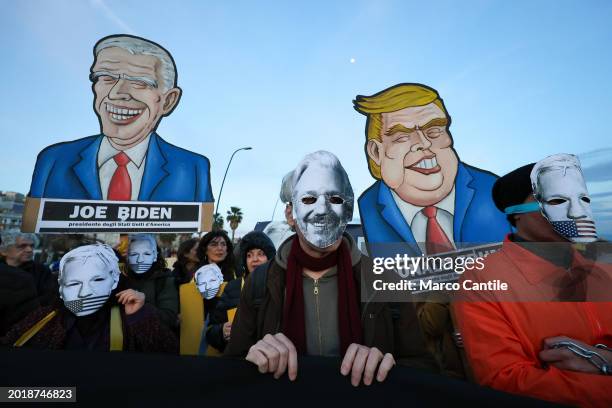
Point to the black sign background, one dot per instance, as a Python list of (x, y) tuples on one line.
[(61, 211)]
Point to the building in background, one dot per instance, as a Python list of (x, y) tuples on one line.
[(11, 210)]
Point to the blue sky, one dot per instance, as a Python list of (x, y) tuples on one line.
[(521, 79)]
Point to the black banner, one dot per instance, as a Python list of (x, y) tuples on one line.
[(134, 379)]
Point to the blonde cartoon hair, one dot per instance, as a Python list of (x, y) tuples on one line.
[(392, 99)]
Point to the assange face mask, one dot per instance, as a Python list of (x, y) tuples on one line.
[(322, 203), (208, 279), (559, 187), (87, 277), (142, 253)]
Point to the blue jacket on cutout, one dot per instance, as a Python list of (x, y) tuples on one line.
[(475, 220), (69, 170)]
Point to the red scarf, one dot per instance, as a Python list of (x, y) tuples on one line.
[(349, 322)]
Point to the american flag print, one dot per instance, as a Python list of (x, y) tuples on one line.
[(141, 267), (86, 304), (576, 228)]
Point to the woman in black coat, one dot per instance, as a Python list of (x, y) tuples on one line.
[(255, 249)]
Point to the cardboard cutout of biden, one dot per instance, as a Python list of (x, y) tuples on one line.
[(127, 178)]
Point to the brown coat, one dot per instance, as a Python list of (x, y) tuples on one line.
[(390, 328)]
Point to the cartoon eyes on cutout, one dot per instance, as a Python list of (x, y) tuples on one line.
[(433, 133), (109, 80), (402, 139), (556, 201)]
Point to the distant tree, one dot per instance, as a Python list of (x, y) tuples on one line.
[(234, 216), (217, 222)]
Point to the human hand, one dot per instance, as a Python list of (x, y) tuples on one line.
[(227, 328), (274, 354), (361, 360), (565, 359), (131, 299)]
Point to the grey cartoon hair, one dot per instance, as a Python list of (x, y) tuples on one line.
[(140, 46)]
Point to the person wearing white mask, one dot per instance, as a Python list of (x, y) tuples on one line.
[(306, 301), (549, 335), (147, 275), (91, 313)]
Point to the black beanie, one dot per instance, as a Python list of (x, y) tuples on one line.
[(255, 240), (513, 188)]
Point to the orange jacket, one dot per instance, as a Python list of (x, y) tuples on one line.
[(502, 338)]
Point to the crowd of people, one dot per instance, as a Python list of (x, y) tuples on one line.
[(271, 303)]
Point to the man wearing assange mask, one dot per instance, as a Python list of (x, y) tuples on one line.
[(558, 185), (148, 276), (309, 293), (89, 311), (142, 252), (549, 335)]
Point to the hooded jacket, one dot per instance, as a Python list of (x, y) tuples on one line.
[(231, 295)]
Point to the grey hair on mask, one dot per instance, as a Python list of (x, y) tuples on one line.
[(140, 46), (324, 159), (9, 238), (102, 252), (556, 162), (144, 237)]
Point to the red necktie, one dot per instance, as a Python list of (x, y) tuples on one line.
[(436, 240), (120, 187)]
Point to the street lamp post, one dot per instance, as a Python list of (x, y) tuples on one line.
[(225, 175)]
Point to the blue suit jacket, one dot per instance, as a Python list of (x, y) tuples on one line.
[(476, 219), (70, 170)]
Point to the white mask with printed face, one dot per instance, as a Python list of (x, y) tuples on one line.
[(321, 207), (559, 187), (208, 279), (142, 253), (86, 280)]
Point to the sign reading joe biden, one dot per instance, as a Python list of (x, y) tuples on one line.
[(134, 82), (56, 215)]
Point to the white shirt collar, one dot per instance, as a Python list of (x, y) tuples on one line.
[(409, 211), (136, 153)]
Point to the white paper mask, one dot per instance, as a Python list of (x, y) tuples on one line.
[(142, 252), (87, 276), (559, 187), (208, 280), (322, 199)]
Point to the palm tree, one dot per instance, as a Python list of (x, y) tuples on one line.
[(234, 216), (217, 222)]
